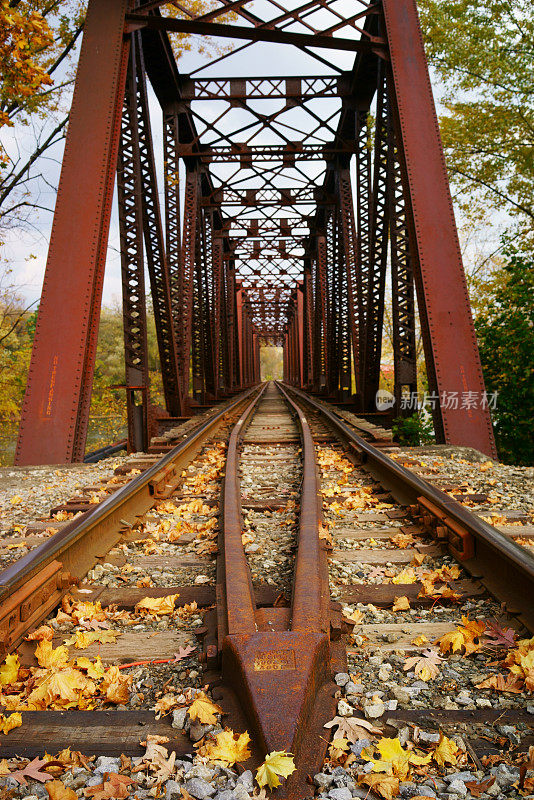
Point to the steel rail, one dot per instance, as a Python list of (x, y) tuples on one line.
[(34, 584), (279, 661), (505, 568)]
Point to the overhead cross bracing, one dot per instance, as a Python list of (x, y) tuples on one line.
[(302, 173)]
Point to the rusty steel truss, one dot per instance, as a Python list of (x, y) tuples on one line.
[(297, 207)]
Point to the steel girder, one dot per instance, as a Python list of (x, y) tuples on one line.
[(55, 413), (273, 245), (130, 190)]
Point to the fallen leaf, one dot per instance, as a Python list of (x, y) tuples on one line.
[(204, 709), (338, 748), (393, 758), (8, 723), (420, 640), (114, 786), (9, 670), (401, 604), (50, 657), (353, 728), (467, 636), (277, 764), (356, 617), (83, 639), (44, 632), (476, 789), (33, 771), (425, 666), (387, 786), (116, 686), (500, 636), (501, 683), (446, 752), (228, 748), (58, 791), (156, 605), (95, 669), (184, 652), (406, 576)]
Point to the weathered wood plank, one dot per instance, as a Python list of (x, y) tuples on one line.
[(385, 555), (382, 595), (107, 733)]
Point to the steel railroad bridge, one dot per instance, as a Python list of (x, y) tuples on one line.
[(287, 206)]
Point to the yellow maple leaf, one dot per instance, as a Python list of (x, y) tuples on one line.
[(59, 689), (394, 760), (453, 641), (48, 656), (4, 767), (156, 605), (228, 748), (8, 723), (420, 640), (204, 709), (445, 752), (83, 639), (95, 669), (467, 636), (356, 616), (406, 576), (338, 748), (278, 763), (116, 686), (401, 604), (387, 786), (15, 500), (9, 670)]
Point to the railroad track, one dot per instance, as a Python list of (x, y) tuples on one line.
[(274, 516)]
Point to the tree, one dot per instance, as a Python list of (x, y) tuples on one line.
[(482, 51), (505, 330)]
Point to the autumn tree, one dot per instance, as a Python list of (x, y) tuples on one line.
[(482, 53), (505, 328)]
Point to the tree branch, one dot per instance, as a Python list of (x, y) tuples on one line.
[(500, 194), (34, 156)]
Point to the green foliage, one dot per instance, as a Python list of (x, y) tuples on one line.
[(414, 430), (505, 330), (482, 53)]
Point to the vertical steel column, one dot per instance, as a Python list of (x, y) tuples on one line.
[(378, 250), (452, 358), (233, 344), (130, 192), (363, 221), (172, 221), (321, 312), (402, 289), (188, 257), (240, 349), (308, 326), (352, 270), (55, 413), (300, 334), (158, 270), (333, 342)]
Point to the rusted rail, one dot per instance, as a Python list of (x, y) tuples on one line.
[(31, 587), (280, 661), (505, 568)]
